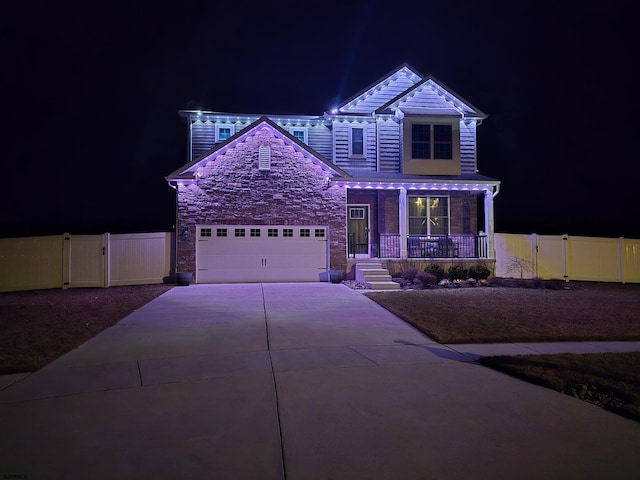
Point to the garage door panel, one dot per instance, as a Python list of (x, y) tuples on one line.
[(259, 253)]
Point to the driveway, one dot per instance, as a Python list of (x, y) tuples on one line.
[(296, 381)]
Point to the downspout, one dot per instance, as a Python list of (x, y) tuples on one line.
[(175, 234)]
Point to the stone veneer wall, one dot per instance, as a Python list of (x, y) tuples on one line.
[(232, 191)]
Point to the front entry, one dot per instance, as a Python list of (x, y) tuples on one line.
[(358, 231)]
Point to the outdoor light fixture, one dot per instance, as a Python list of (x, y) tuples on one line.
[(185, 233)]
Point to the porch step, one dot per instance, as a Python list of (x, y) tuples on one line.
[(375, 277), (383, 285)]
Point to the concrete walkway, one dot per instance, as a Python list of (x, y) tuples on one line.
[(297, 381)]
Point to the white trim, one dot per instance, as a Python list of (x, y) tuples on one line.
[(305, 133), (368, 207), (362, 127), (220, 126)]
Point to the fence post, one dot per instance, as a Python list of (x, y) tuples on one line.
[(565, 243), (66, 258), (621, 258), (106, 246), (534, 255)]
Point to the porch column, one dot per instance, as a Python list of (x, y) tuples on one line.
[(402, 222), (488, 222)]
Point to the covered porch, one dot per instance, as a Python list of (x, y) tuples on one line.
[(416, 219)]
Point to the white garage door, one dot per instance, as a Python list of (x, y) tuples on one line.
[(260, 253)]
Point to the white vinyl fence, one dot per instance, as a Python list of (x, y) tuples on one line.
[(69, 261), (567, 257)]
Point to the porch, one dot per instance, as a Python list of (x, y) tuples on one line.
[(421, 246)]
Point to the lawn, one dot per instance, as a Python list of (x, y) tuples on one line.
[(497, 315), (38, 326), (586, 311)]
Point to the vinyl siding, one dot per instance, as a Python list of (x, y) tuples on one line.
[(389, 146), (341, 148), (378, 98), (320, 138), (468, 147)]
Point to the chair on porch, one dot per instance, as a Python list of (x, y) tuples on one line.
[(447, 248)]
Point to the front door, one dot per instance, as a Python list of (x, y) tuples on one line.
[(358, 230)]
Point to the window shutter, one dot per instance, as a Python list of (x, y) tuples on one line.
[(264, 157)]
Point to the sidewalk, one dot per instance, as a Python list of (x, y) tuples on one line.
[(307, 381)]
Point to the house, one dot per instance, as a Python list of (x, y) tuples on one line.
[(390, 175)]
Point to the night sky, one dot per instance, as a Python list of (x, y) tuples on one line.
[(91, 93)]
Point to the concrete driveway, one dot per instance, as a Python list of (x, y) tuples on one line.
[(295, 381)]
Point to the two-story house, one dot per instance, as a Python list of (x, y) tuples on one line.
[(391, 174)]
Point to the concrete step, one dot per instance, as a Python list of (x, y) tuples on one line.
[(377, 278), (368, 265), (363, 274), (383, 285)]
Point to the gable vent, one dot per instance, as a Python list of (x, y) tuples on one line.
[(264, 157)]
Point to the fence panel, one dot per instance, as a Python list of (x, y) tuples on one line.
[(630, 260), (31, 263), (514, 255), (595, 259), (139, 258), (550, 257)]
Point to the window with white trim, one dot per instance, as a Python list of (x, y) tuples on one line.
[(428, 215), (431, 141), (223, 131), (300, 133), (356, 141)]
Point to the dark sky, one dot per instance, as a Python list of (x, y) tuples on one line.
[(91, 94)]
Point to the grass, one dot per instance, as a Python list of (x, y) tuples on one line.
[(502, 315), (36, 327), (609, 380), (585, 312)]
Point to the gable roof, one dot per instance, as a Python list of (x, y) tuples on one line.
[(187, 171), (431, 95), (379, 92)]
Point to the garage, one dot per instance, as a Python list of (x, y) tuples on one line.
[(260, 253)]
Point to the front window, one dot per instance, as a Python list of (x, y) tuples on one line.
[(357, 141), (428, 215), (431, 142)]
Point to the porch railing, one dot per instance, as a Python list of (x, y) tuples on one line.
[(356, 248), (435, 246)]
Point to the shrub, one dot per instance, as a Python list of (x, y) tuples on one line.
[(436, 270), (479, 272), (457, 272), (410, 273), (427, 279)]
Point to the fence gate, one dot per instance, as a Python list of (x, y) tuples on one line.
[(85, 261)]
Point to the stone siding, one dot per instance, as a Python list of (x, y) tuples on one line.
[(231, 190)]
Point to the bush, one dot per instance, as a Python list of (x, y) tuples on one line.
[(479, 272), (427, 279), (436, 270), (457, 272), (410, 274)]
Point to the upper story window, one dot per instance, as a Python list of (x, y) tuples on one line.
[(300, 133), (428, 215), (431, 142), (356, 141), (223, 132)]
